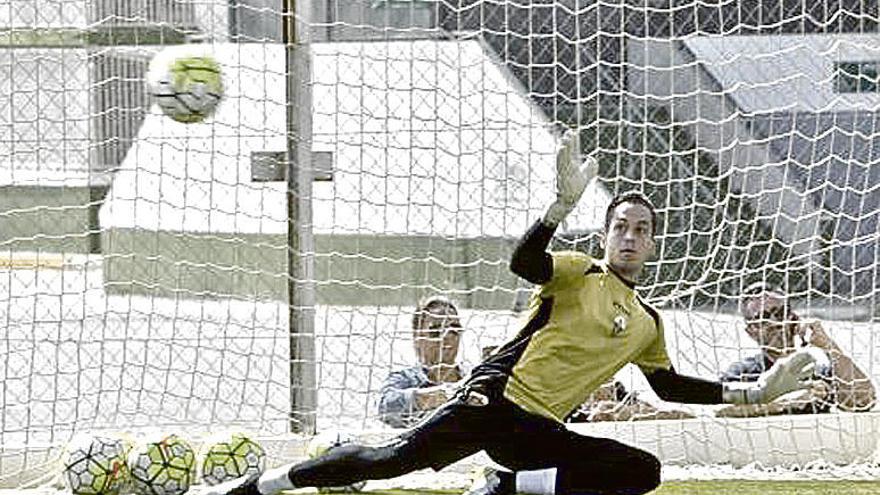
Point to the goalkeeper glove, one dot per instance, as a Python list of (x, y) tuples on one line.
[(787, 374), (572, 177)]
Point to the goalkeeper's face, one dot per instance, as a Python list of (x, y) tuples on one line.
[(629, 238), (437, 338)]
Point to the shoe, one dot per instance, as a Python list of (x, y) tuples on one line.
[(491, 481), (246, 485)]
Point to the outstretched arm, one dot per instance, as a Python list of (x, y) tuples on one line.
[(672, 387), (787, 375), (809, 401), (814, 399), (530, 259)]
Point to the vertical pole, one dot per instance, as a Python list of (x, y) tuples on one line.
[(300, 249)]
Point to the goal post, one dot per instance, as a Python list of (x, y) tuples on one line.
[(258, 269), (301, 290)]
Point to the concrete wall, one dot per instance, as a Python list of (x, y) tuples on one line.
[(45, 218), (349, 270)]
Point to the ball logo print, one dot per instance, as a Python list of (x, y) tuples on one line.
[(162, 467), (231, 456), (95, 465), (189, 88)]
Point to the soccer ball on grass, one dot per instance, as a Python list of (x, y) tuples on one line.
[(164, 466), (95, 465), (231, 456)]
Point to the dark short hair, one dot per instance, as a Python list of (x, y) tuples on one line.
[(631, 197), (761, 288), (425, 306)]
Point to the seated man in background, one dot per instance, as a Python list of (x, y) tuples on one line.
[(613, 402), (779, 331), (410, 393)]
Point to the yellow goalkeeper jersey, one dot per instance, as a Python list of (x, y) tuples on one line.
[(583, 326)]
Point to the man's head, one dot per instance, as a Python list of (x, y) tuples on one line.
[(628, 240), (769, 319), (436, 331)]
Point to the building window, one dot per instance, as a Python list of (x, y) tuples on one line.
[(255, 21), (857, 77)]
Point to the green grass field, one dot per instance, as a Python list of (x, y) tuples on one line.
[(726, 487), (739, 487)]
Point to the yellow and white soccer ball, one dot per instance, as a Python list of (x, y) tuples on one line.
[(162, 466), (96, 465), (187, 88), (324, 441), (229, 456)]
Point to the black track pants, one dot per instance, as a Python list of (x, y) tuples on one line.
[(514, 438)]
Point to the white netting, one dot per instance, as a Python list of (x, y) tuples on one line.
[(144, 262)]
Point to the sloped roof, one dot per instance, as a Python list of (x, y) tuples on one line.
[(824, 142), (834, 159), (790, 73), (428, 138)]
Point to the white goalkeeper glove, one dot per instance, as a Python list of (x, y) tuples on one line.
[(788, 374), (572, 177)]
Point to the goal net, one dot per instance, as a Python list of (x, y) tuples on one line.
[(258, 270)]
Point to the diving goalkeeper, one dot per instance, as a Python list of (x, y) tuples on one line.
[(586, 322)]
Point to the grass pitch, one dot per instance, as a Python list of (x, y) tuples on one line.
[(717, 487), (741, 487), (725, 487)]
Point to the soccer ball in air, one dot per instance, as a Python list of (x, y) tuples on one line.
[(187, 89), (231, 456), (164, 466), (95, 465), (320, 444)]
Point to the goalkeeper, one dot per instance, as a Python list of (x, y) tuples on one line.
[(586, 322)]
